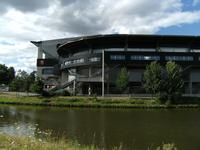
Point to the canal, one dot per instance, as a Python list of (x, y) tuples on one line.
[(133, 128)]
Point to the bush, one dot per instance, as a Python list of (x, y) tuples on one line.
[(47, 94), (122, 80), (61, 92), (165, 83)]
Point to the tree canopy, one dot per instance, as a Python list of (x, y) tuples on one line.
[(174, 81), (122, 80), (7, 74), (164, 81), (23, 81), (153, 78)]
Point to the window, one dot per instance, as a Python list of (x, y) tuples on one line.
[(117, 57), (48, 71), (94, 59), (67, 62), (75, 61), (97, 51), (142, 57), (179, 58), (114, 49), (141, 49), (173, 49), (195, 50)]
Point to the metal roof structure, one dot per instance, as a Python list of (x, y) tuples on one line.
[(129, 40)]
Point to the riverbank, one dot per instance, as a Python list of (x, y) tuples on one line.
[(95, 102), (29, 143)]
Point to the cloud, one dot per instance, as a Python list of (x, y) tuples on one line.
[(24, 5), (20, 55), (126, 16), (22, 21)]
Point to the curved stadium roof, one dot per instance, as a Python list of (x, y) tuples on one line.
[(129, 40)]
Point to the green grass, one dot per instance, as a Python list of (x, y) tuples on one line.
[(75, 101), (29, 143)]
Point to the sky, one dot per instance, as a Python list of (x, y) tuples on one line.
[(22, 21)]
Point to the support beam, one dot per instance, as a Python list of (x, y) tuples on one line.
[(190, 84), (40, 52), (74, 87), (89, 74), (108, 79), (126, 44), (102, 73)]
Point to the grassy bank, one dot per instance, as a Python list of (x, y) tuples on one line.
[(89, 102), (27, 143)]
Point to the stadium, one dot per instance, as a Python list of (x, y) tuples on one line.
[(90, 65)]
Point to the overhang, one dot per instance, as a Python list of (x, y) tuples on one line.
[(129, 40)]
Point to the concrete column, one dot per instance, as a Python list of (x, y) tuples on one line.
[(40, 51), (190, 84), (74, 87), (103, 73), (108, 81), (90, 75)]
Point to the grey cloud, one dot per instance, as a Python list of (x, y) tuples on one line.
[(79, 26), (20, 59), (67, 2), (24, 5), (2, 8), (99, 16), (78, 17)]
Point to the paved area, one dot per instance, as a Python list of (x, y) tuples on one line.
[(21, 93)]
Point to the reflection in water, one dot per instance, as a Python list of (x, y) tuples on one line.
[(18, 129), (136, 128)]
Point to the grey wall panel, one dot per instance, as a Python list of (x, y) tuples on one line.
[(135, 75), (195, 76), (114, 74)]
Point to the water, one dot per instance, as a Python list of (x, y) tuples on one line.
[(134, 128)]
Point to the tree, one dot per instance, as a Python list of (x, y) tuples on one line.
[(22, 81), (16, 85), (30, 79), (37, 86), (3, 74), (122, 80), (174, 82), (6, 74), (164, 82), (153, 78), (11, 74)]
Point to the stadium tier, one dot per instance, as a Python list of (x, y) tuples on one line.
[(90, 65)]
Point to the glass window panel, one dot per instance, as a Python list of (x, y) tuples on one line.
[(117, 57), (48, 71), (144, 57), (94, 59), (172, 49), (179, 58)]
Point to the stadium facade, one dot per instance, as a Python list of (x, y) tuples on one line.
[(90, 65)]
